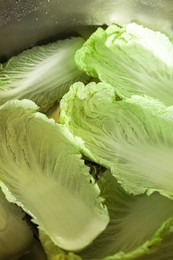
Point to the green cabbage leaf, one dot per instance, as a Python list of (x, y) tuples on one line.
[(42, 74), (46, 176), (132, 137), (134, 59)]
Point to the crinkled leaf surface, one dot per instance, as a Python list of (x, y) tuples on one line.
[(131, 137), (41, 165), (133, 59), (42, 74)]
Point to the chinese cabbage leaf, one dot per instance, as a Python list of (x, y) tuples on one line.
[(140, 227), (47, 177), (132, 137), (133, 59), (42, 74)]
